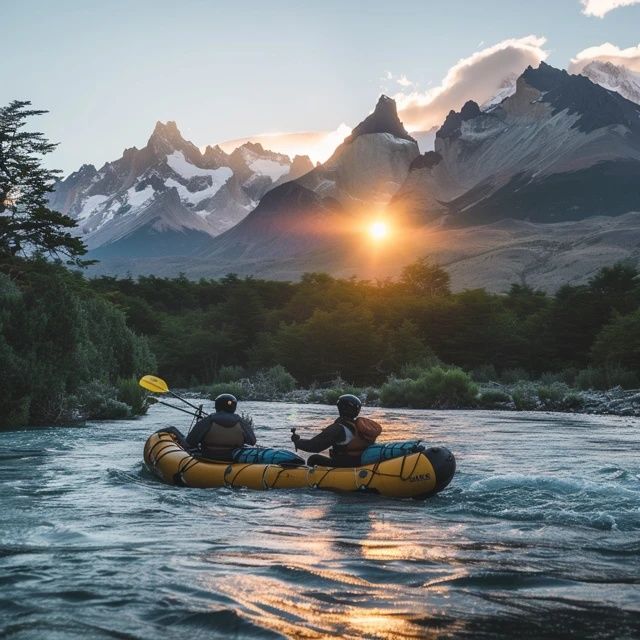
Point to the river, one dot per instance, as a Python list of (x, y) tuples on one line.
[(538, 536)]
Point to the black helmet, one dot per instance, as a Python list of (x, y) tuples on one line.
[(226, 402), (349, 406)]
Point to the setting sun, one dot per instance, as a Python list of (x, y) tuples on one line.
[(379, 230)]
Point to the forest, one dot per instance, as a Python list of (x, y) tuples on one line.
[(71, 347), (321, 328)]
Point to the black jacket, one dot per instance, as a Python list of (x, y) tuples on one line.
[(329, 437)]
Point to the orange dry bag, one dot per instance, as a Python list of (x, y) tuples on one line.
[(368, 429)]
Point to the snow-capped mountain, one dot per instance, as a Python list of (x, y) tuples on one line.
[(168, 198), (615, 78), (320, 208), (507, 88), (560, 148)]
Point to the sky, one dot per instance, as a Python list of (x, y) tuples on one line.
[(107, 71)]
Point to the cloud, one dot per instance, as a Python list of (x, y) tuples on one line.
[(607, 52), (318, 145), (600, 8), (403, 81), (478, 77)]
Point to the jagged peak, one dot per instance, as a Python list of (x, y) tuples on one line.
[(596, 107), (256, 147), (166, 128), (384, 119), (166, 136), (454, 120)]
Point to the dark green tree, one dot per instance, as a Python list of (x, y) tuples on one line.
[(27, 224), (425, 278)]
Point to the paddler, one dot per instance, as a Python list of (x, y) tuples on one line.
[(347, 437), (217, 435)]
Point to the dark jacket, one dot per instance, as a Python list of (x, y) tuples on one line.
[(219, 433), (343, 447)]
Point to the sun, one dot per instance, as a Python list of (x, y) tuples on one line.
[(379, 230)]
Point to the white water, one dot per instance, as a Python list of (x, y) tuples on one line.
[(538, 536)]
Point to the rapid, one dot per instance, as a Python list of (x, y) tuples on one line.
[(538, 536)]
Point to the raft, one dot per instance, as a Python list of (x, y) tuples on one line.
[(417, 475)]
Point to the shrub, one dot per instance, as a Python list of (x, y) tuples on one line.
[(591, 378), (513, 376), (238, 389), (603, 378), (132, 394), (274, 381), (435, 388), (97, 400), (494, 398), (485, 373), (414, 370), (525, 396), (568, 376), (549, 378), (230, 373), (552, 396), (573, 401)]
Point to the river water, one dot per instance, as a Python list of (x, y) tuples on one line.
[(538, 536)]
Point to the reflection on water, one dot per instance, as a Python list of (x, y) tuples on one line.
[(538, 536)]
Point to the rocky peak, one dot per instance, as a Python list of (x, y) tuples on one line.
[(166, 138), (595, 106), (214, 156), (545, 77), (255, 147), (453, 122), (85, 172), (300, 165), (614, 78), (384, 119)]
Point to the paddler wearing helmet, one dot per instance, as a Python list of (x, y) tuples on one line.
[(217, 435), (347, 437)]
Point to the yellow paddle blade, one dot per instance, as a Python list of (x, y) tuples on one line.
[(153, 383)]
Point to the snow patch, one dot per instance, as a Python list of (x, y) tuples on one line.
[(90, 205), (186, 170), (270, 168), (137, 198), (194, 197)]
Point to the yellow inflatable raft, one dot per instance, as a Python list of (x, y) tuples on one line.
[(417, 475)]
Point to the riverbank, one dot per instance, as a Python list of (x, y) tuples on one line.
[(523, 395)]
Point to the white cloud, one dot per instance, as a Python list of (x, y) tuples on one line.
[(403, 81), (478, 77), (600, 8), (318, 145), (607, 52)]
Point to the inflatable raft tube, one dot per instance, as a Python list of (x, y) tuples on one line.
[(417, 475)]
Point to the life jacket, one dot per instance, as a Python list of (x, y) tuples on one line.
[(224, 435), (357, 439)]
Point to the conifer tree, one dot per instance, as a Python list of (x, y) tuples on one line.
[(28, 226)]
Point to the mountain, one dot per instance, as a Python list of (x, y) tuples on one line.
[(615, 78), (320, 210), (560, 148), (169, 198)]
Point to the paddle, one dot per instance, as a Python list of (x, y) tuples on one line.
[(158, 385), (173, 406)]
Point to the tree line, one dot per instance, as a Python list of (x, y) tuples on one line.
[(72, 347), (323, 327)]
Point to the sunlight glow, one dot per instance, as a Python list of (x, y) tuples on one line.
[(379, 230)]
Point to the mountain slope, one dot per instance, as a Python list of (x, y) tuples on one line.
[(614, 78), (560, 148), (320, 210), (169, 194)]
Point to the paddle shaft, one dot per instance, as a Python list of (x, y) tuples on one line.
[(173, 406), (175, 395)]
